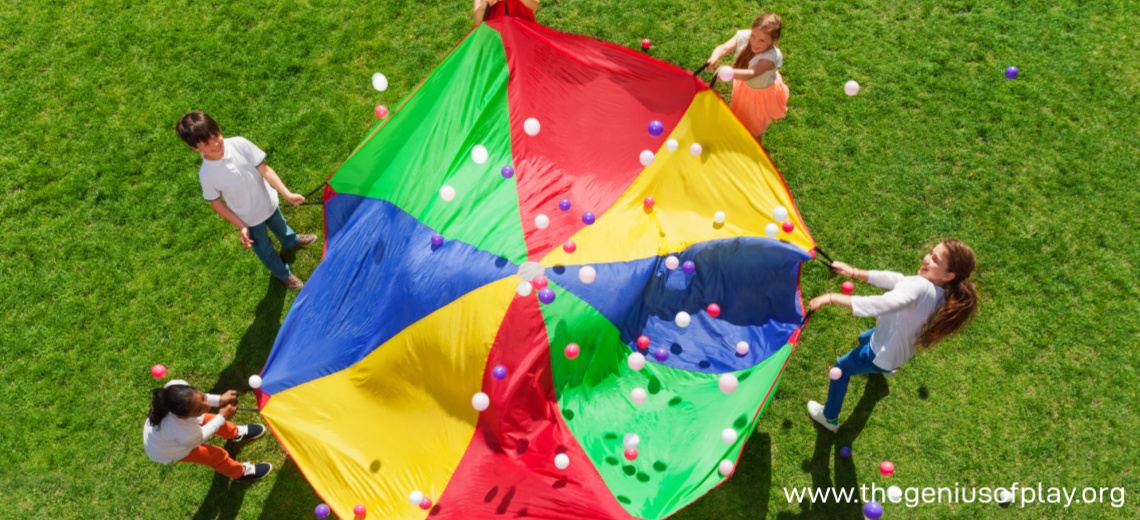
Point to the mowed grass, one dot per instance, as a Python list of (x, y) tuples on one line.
[(111, 261)]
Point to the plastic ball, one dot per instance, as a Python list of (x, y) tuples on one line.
[(645, 44), (631, 440), (835, 373), (539, 282), (1004, 496), (661, 354), (587, 274), (847, 287), (436, 239), (524, 288), (643, 342), (638, 395), (508, 172), (851, 88), (656, 128), (672, 145), (725, 73), (788, 226), (479, 154), (564, 204), (718, 217), (531, 126), (379, 82), (713, 310), (728, 383), (359, 510), (425, 504), (872, 510), (683, 319), (541, 221), (255, 381), (646, 157), (689, 267), (588, 218), (780, 214), (671, 262), (636, 361), (771, 230), (499, 372), (572, 350), (562, 461), (894, 493), (322, 511), (546, 295), (887, 468), (695, 149), (631, 454), (649, 202), (158, 371), (447, 193), (569, 246), (480, 401), (416, 497), (742, 348), (725, 467), (845, 451), (381, 111), (1011, 72), (729, 436)]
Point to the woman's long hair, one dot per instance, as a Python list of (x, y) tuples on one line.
[(767, 22), (961, 303), (176, 399)]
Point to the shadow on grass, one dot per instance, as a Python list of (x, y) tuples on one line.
[(827, 446), (744, 494)]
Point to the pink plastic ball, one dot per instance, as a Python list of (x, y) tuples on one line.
[(631, 454), (645, 44), (887, 468), (788, 226), (572, 351), (643, 342), (713, 310), (381, 111), (847, 287), (835, 373), (425, 504), (158, 371), (359, 510), (539, 282), (649, 202), (569, 246)]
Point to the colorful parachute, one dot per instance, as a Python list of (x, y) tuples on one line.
[(370, 383)]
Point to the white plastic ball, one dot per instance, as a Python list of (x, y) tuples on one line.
[(480, 401), (729, 436), (561, 461), (672, 145), (524, 288), (742, 348), (696, 150), (725, 467), (683, 319), (671, 262), (851, 88), (416, 497), (587, 274), (631, 440), (646, 157), (638, 395), (718, 217), (1004, 496), (379, 82), (255, 381), (541, 221), (728, 383), (725, 73), (636, 361), (894, 493), (479, 154), (780, 214), (835, 373), (531, 126), (771, 230), (447, 193)]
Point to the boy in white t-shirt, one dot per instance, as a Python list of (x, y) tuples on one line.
[(234, 169)]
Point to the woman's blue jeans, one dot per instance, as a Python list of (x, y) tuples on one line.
[(859, 361)]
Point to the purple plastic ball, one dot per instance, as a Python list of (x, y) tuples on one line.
[(845, 451), (1011, 72), (436, 239), (499, 372), (655, 128), (661, 354), (508, 172), (546, 295), (588, 218), (322, 511), (564, 204), (873, 510), (689, 267)]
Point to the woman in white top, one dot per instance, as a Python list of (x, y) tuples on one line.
[(940, 289), (759, 95), (178, 424)]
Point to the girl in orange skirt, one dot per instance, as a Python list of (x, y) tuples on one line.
[(759, 94)]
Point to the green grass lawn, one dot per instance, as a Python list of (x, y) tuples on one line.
[(111, 261)]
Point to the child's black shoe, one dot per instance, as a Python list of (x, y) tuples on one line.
[(259, 471), (252, 431)]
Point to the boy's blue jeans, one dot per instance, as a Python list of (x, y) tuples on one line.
[(859, 361), (263, 246)]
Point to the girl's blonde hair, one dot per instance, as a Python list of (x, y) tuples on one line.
[(961, 302), (767, 22)]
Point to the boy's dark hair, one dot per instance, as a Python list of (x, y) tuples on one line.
[(196, 128), (177, 399)]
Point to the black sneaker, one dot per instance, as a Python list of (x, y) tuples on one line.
[(260, 470), (252, 431)]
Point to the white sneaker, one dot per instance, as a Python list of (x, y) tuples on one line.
[(815, 411)]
